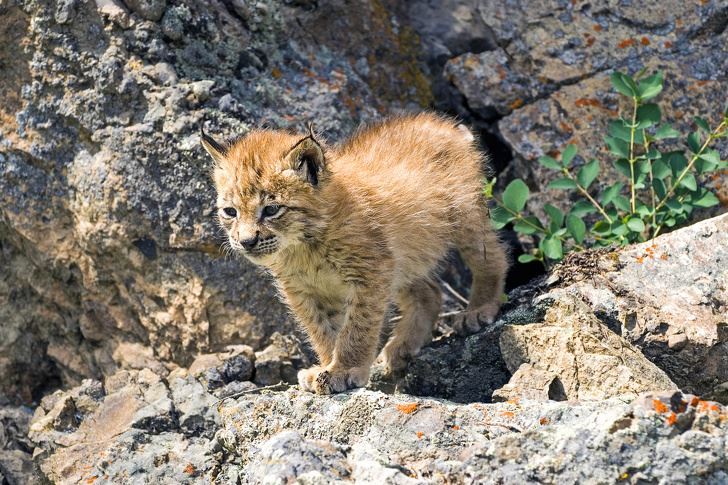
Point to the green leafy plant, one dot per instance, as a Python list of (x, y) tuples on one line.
[(660, 189)]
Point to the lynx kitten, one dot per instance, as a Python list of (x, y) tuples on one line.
[(347, 229)]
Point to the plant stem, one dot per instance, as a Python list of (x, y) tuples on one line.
[(711, 136), (632, 160), (652, 188), (518, 216), (591, 199)]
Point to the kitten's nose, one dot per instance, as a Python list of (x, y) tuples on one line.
[(250, 243)]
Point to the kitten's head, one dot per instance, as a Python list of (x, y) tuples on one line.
[(268, 189)]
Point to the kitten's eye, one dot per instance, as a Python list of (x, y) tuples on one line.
[(271, 210), (229, 212)]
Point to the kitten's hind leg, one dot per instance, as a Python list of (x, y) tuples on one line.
[(419, 305), (487, 259)]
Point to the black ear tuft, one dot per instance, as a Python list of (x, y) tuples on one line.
[(215, 149)]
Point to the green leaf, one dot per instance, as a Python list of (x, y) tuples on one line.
[(666, 131), (602, 228), (622, 203), (576, 228), (650, 86), (660, 169), (568, 155), (619, 129), (694, 142), (562, 183), (617, 147), (526, 226), (689, 182), (642, 166), (622, 84), (711, 156), (619, 229), (556, 216), (515, 195), (610, 193), (622, 165), (499, 217), (527, 258), (704, 166), (706, 199), (581, 208), (642, 209), (636, 225), (588, 173), (702, 124), (659, 186), (648, 115), (674, 205), (552, 248), (677, 162), (549, 162)]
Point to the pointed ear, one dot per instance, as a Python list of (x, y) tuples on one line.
[(307, 159), (216, 150)]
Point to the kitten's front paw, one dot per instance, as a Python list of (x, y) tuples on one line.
[(332, 380), (307, 377)]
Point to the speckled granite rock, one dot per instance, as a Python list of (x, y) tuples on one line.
[(573, 356), (368, 437), (576, 336), (549, 74)]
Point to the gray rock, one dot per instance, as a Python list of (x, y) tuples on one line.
[(148, 9), (280, 361), (573, 356), (437, 442), (16, 465)]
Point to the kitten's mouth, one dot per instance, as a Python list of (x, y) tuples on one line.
[(267, 245)]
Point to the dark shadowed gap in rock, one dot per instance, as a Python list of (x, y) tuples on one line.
[(147, 246), (500, 153), (457, 369), (45, 378), (557, 391)]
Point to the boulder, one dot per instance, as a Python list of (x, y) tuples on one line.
[(367, 436), (573, 356), (545, 80)]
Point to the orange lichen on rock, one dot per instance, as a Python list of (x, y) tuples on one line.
[(517, 103), (582, 102), (420, 434), (659, 406), (544, 421), (190, 469), (626, 43), (705, 406), (408, 408), (672, 419), (645, 41), (508, 414)]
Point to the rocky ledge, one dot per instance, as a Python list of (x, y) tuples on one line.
[(592, 373)]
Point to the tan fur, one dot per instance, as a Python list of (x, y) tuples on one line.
[(387, 206)]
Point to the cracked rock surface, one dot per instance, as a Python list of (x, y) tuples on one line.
[(123, 324), (566, 386)]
